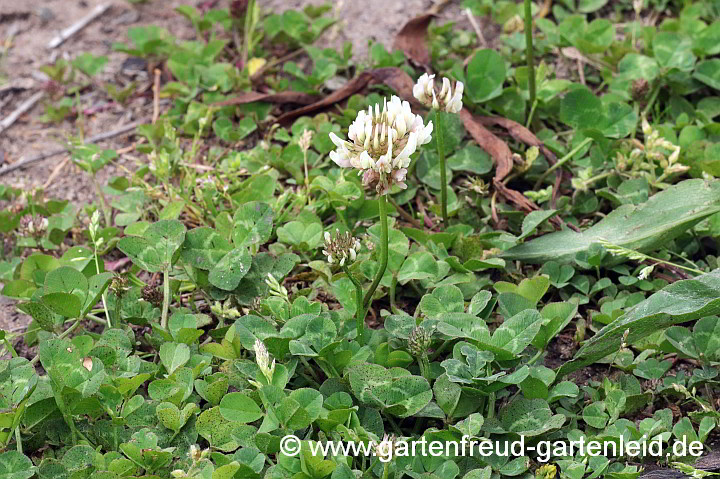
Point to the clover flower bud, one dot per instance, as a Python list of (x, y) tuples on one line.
[(419, 341), (305, 139), (262, 358), (342, 248), (645, 272)]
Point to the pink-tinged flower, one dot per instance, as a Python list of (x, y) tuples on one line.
[(380, 143)]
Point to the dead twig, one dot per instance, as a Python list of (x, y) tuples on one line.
[(476, 27), (94, 139), (156, 96), (77, 26), (56, 172), (20, 110)]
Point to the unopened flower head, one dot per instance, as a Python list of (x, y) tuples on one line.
[(419, 341), (305, 140), (342, 248), (262, 358), (446, 99), (381, 142)]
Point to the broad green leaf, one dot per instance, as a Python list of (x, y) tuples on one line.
[(708, 72), (15, 465), (516, 333), (645, 227), (393, 390), (64, 304), (239, 408), (156, 249), (421, 265), (673, 50), (231, 269), (595, 416), (40, 313), (204, 247), (485, 75), (529, 417), (444, 299), (678, 302), (174, 355), (252, 224)]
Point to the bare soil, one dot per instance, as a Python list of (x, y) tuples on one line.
[(27, 27)]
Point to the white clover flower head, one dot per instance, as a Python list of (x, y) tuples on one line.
[(446, 99), (342, 248), (380, 144)]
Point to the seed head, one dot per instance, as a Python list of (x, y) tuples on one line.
[(33, 225)]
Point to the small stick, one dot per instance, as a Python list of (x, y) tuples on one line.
[(56, 172), (94, 139), (20, 110), (79, 25), (476, 27), (156, 96)]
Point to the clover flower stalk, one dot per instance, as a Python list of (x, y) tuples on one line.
[(342, 249), (379, 145), (445, 101)]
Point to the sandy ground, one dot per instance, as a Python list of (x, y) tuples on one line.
[(29, 25)]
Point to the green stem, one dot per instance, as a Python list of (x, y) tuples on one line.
[(597, 177), (166, 298), (424, 367), (382, 205), (653, 97), (103, 201), (440, 141), (18, 439), (529, 50), (562, 161), (360, 312)]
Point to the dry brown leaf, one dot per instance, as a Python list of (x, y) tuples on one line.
[(498, 149), (350, 88), (521, 201), (280, 97), (412, 39), (519, 132), (398, 80)]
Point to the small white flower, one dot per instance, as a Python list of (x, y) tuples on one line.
[(262, 358), (385, 449), (645, 272), (445, 100)]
